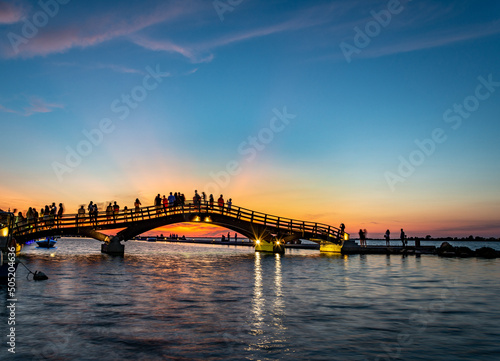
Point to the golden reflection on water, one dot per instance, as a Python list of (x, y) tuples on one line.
[(258, 301), (268, 306)]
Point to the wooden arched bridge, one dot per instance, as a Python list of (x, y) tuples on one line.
[(268, 232)]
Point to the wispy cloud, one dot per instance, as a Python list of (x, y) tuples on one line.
[(202, 52), (7, 110), (164, 45), (114, 67), (432, 40), (10, 12), (35, 105), (95, 30)]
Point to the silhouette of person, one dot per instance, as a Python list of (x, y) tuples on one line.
[(220, 201), (403, 236), (387, 238), (361, 237)]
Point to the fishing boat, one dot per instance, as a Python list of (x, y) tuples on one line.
[(8, 248), (48, 242)]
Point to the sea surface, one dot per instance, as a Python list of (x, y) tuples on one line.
[(173, 301)]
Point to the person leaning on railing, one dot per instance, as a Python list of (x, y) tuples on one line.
[(137, 205), (80, 217), (60, 212)]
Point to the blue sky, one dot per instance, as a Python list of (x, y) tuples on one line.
[(225, 70)]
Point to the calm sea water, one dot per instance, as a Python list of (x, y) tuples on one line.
[(166, 301)]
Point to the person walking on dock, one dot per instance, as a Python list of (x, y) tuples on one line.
[(341, 230), (361, 238), (403, 236), (387, 236)]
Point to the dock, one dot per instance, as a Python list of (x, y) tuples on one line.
[(349, 247)]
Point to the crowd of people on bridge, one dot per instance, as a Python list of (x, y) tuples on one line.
[(48, 216), (51, 216)]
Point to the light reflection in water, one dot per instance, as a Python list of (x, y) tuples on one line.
[(258, 302), (268, 306)]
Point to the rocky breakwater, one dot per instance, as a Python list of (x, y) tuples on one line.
[(447, 250)]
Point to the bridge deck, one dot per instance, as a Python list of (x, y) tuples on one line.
[(237, 218)]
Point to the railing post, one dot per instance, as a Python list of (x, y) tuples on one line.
[(251, 218)]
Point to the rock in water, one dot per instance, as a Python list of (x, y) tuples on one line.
[(486, 252)]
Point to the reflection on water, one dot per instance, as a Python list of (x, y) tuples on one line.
[(195, 302), (258, 301)]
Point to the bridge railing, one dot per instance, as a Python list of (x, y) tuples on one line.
[(123, 218)]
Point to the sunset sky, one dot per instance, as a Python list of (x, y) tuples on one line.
[(377, 114)]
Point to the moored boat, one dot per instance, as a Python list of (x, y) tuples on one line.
[(48, 242)]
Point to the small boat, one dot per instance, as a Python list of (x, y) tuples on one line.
[(48, 242)]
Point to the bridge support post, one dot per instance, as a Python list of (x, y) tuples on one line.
[(274, 246), (113, 247)]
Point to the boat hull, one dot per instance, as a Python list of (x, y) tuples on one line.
[(46, 243)]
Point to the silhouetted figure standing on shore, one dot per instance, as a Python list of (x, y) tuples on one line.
[(387, 238), (361, 238), (341, 231), (403, 236)]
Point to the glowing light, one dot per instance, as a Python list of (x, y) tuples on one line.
[(4, 232), (346, 236), (277, 243), (257, 241), (207, 219)]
